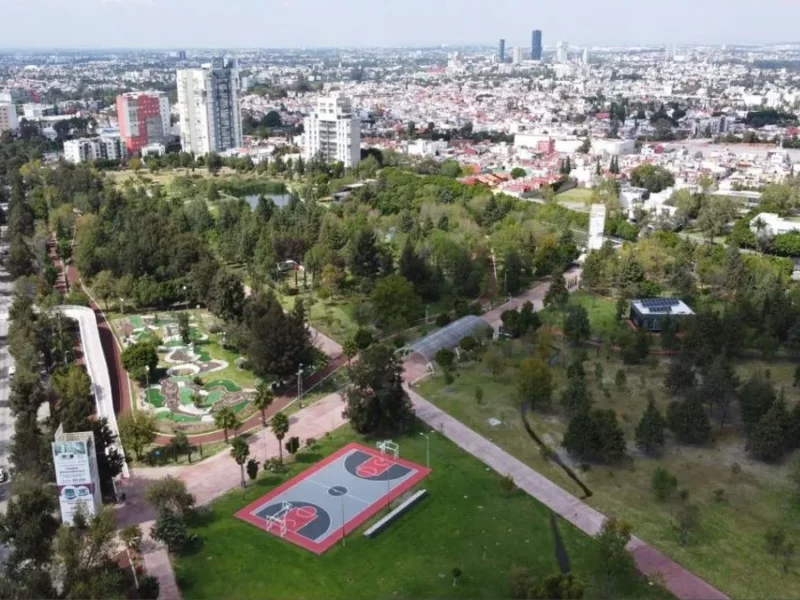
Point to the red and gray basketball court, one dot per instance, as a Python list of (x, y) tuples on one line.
[(321, 505)]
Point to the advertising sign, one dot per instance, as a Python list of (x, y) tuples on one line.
[(71, 460), (76, 475)]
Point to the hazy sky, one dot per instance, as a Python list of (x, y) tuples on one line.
[(316, 23)]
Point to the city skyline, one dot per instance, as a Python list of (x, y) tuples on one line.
[(357, 23)]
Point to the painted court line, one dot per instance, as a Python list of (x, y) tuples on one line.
[(330, 487)]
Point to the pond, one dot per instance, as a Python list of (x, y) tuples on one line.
[(280, 200)]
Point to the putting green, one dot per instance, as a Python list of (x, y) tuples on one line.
[(223, 383), (155, 398)]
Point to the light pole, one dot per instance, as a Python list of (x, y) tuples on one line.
[(122, 305), (186, 297), (147, 380), (427, 437), (300, 386)]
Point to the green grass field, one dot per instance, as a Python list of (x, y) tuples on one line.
[(467, 522), (728, 547), (575, 195), (601, 311)]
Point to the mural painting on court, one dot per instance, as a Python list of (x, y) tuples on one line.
[(320, 506)]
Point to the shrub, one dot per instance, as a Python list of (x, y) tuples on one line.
[(507, 484), (468, 344), (445, 358), (363, 339), (310, 442), (664, 484), (274, 465), (479, 395), (443, 319)]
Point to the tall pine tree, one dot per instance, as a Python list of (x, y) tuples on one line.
[(650, 430)]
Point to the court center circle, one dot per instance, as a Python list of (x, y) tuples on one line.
[(337, 490)]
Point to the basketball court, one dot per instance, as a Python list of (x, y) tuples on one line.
[(326, 502)]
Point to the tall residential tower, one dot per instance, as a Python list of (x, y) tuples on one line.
[(208, 103), (143, 119), (536, 44), (333, 132), (501, 54)]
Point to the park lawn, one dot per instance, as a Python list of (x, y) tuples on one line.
[(728, 548), (467, 522), (575, 195), (601, 311), (333, 317)]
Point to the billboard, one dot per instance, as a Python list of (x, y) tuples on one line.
[(77, 479), (597, 225)]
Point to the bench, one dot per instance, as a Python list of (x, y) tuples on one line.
[(395, 514)]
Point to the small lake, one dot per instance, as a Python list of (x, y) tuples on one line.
[(280, 200)]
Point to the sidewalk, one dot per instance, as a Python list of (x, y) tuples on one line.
[(212, 478), (650, 562)]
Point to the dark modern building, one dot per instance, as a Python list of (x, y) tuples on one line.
[(536, 44), (501, 53), (650, 313)]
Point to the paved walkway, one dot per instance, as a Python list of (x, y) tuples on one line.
[(682, 583), (212, 478)]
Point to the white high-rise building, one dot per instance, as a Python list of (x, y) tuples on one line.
[(518, 55), (586, 56), (333, 132), (8, 118), (208, 103), (562, 55)]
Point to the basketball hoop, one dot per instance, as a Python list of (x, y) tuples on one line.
[(388, 447), (279, 518)]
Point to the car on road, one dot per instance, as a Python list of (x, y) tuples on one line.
[(3, 475), (11, 372)]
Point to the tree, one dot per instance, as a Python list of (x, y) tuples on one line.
[(395, 301), (364, 256), (719, 387), (613, 563), (139, 358), (169, 494), (84, 558), (557, 294), (280, 427), (714, 216), (560, 586), (169, 528), (240, 451), (29, 526), (183, 327), (688, 520), (445, 358), (576, 325), (226, 419), (376, 400), (688, 421), (535, 383), (680, 376), (226, 298), (595, 436), (252, 469), (664, 484), (350, 349), (137, 432), (652, 178), (495, 361), (105, 287), (263, 400), (756, 397), (456, 573), (650, 430), (292, 445), (768, 439), (512, 273), (518, 172), (575, 398), (179, 444), (73, 388)]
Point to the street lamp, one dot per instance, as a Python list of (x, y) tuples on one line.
[(427, 437), (186, 297), (122, 305), (300, 386), (147, 380)]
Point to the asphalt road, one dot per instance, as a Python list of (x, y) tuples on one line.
[(6, 422)]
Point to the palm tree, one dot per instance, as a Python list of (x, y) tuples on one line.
[(263, 400), (225, 418), (240, 451), (280, 427)]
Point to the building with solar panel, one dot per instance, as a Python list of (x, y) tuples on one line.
[(650, 313)]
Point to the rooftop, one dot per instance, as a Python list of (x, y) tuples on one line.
[(661, 306)]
